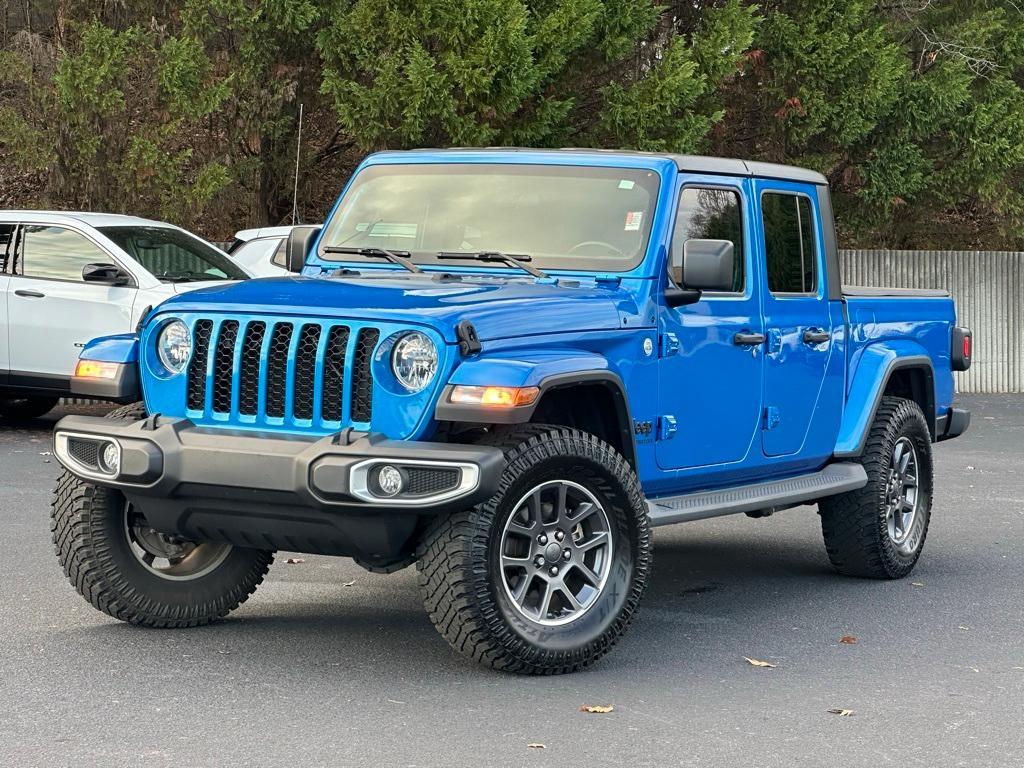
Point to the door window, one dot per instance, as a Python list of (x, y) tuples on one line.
[(56, 253), (6, 244), (789, 242), (708, 214)]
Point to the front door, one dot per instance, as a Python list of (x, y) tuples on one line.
[(52, 313), (798, 325), (710, 380)]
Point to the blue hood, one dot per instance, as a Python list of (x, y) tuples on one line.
[(499, 307)]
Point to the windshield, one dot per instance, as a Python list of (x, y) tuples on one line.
[(562, 217), (174, 256)]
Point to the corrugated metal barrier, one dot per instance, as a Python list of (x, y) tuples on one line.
[(988, 287)]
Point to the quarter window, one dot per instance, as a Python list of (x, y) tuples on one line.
[(789, 243), (708, 214), (56, 253)]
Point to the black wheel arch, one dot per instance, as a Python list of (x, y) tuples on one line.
[(594, 401)]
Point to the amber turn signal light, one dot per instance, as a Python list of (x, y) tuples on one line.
[(93, 369), (497, 397)]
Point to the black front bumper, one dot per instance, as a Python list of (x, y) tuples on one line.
[(267, 491)]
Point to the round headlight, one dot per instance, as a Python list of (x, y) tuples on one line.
[(414, 361), (174, 346)]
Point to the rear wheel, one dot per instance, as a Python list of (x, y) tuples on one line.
[(134, 573), (879, 530), (30, 407), (544, 577)]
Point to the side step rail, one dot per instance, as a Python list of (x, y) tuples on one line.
[(833, 479)]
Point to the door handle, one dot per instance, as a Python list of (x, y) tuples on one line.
[(816, 336), (748, 339), (29, 293)]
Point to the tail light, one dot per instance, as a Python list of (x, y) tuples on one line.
[(962, 348)]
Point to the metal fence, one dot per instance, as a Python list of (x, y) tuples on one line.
[(988, 287)]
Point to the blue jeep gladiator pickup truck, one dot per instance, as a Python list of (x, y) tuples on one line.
[(506, 366)]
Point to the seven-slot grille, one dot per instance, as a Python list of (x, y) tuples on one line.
[(303, 371)]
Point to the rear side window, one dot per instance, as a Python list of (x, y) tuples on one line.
[(6, 244), (789, 243), (708, 214), (56, 253)]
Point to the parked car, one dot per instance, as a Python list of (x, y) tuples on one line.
[(505, 367), (66, 278), (262, 251)]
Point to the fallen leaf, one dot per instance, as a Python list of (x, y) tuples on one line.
[(597, 709), (535, 745), (759, 663), (295, 560), (848, 640), (841, 712)]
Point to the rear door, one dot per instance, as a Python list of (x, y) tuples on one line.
[(710, 385), (798, 325), (52, 312)]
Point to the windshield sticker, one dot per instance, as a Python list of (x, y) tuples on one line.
[(633, 219), (626, 184), (392, 229)]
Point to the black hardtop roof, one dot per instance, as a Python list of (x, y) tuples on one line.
[(723, 166)]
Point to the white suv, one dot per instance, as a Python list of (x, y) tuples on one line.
[(263, 251), (66, 278)]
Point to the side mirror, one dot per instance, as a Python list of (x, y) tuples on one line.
[(106, 274), (708, 264), (297, 246)]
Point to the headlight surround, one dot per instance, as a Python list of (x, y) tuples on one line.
[(414, 361), (174, 346)]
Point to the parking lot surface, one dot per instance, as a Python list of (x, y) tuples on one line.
[(330, 665)]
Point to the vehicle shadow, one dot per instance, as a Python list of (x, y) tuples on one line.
[(708, 591)]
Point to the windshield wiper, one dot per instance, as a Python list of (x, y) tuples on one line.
[(517, 260), (401, 258)]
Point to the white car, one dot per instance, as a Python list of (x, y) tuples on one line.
[(263, 251), (67, 278)]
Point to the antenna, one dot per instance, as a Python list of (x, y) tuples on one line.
[(298, 154)]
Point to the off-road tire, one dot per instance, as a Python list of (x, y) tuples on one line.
[(457, 559), (854, 523), (92, 546), (24, 408)]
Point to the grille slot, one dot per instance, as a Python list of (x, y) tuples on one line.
[(362, 379), (334, 373), (305, 371), (223, 366), (277, 368), (197, 368), (309, 373), (249, 376)]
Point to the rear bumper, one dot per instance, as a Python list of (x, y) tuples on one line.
[(952, 424), (268, 491)]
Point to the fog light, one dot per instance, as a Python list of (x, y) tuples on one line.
[(110, 459), (389, 481)]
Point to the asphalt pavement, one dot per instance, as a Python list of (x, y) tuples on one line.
[(330, 665)]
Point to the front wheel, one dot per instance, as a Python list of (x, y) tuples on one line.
[(134, 573), (879, 530), (544, 577)]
